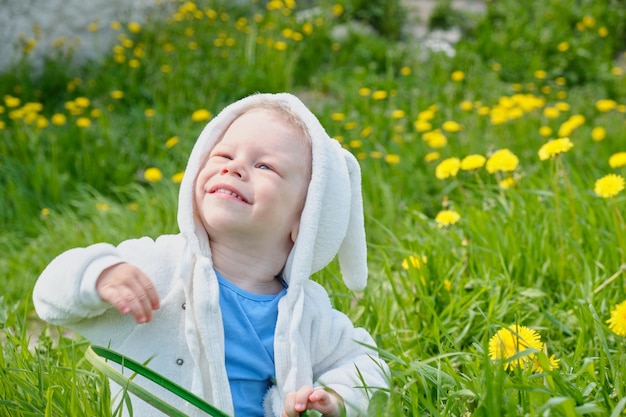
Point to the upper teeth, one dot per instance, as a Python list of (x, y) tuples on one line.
[(222, 190)]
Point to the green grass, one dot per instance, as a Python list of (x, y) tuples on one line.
[(547, 253)]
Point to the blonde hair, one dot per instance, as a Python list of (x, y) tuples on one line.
[(283, 110)]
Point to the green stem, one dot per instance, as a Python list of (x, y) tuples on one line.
[(619, 227), (572, 200)]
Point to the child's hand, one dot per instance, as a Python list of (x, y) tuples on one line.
[(328, 403), (129, 290)]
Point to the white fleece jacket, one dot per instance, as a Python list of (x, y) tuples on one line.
[(314, 343)]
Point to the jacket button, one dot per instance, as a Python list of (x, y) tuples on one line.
[(179, 361), (184, 306)]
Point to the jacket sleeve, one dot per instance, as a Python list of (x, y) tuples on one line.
[(65, 292), (345, 358)]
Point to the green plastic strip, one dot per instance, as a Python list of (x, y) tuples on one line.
[(95, 355)]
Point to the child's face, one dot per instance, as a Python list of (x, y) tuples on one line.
[(254, 182)]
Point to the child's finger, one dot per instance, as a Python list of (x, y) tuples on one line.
[(149, 290)]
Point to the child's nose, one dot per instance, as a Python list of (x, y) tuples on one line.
[(234, 168)]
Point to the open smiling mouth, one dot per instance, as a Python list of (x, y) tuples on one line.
[(231, 193)]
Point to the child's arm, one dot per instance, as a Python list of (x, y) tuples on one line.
[(66, 291), (344, 358)]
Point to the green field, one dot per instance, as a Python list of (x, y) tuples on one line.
[(493, 185)]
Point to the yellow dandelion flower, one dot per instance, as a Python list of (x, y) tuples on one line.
[(510, 341), (376, 154), (553, 363), (149, 112), (45, 212), (280, 46), (426, 114), (457, 76), (103, 207), (178, 177), (432, 156), (606, 105), (451, 126), (201, 115), (551, 112), (83, 122), (338, 117), (598, 133), (134, 27), (11, 101), (355, 143), (117, 94), (153, 174), (414, 262), (577, 120), (472, 162), (617, 322), (41, 122), (540, 74), (483, 110), (422, 126), (58, 119), (566, 129), (405, 71), (507, 183), (502, 160), (447, 218), (562, 106), (337, 10), (589, 21), (617, 160), (562, 46), (609, 186), (603, 31), (398, 114), (367, 130), (365, 92), (115, 25), (392, 159), (545, 131), (379, 95), (307, 28), (448, 168), (555, 147), (466, 105), (435, 139), (447, 285), (171, 142)]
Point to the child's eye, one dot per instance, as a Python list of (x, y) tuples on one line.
[(264, 166)]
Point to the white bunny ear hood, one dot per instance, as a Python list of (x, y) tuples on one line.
[(332, 219)]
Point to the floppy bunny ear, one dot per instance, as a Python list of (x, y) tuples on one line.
[(353, 250)]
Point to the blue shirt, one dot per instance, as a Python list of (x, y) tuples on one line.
[(249, 323)]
